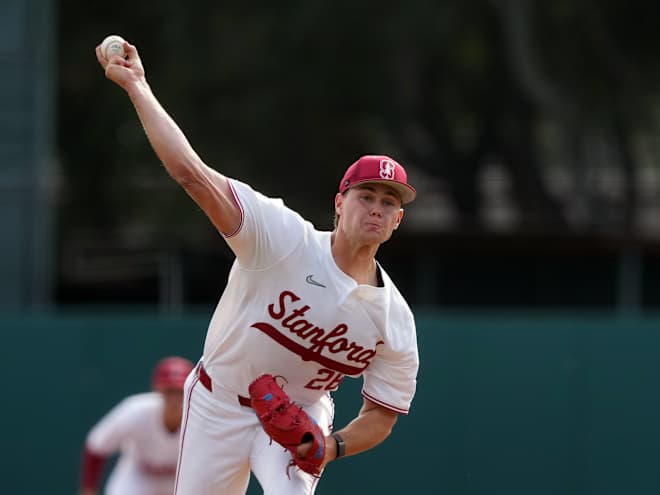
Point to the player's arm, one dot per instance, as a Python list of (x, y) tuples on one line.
[(103, 441), (91, 471), (207, 187), (372, 426)]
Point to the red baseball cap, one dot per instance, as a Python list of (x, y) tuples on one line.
[(381, 169), (171, 373)]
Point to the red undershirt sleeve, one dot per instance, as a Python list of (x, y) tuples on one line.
[(92, 469)]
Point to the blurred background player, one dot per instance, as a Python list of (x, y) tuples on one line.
[(144, 430)]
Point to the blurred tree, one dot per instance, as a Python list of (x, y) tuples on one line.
[(553, 98)]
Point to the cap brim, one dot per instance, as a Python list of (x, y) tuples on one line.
[(406, 192)]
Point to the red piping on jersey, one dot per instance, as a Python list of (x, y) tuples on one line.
[(240, 207), (314, 482), (332, 413), (183, 433), (384, 404)]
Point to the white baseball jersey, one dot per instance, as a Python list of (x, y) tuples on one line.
[(148, 452), (289, 310)]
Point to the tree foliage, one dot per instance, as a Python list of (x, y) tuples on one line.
[(549, 107)]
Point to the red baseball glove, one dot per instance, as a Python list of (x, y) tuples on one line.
[(287, 423)]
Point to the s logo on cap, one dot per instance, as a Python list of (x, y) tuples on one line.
[(386, 169), (378, 168)]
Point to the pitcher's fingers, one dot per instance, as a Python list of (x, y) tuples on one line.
[(303, 449), (100, 57), (118, 60), (131, 52)]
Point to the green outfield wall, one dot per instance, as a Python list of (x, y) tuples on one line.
[(512, 404)]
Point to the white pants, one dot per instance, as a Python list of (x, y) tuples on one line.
[(221, 441)]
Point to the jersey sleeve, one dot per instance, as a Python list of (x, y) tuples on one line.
[(107, 435), (268, 231), (391, 378)]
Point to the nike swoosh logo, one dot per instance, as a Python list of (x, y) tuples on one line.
[(310, 280)]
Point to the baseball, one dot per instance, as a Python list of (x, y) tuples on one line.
[(112, 45)]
